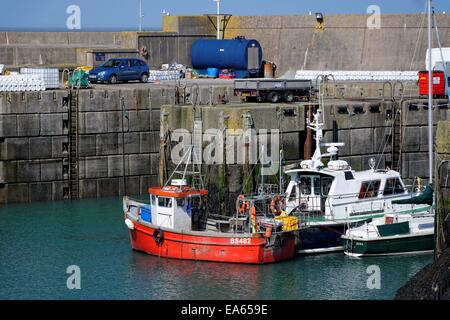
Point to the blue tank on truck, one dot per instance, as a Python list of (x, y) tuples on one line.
[(242, 55)]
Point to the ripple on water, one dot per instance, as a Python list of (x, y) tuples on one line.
[(40, 240)]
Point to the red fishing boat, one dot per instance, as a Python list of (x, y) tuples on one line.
[(175, 224)]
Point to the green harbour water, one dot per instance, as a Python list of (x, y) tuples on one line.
[(40, 240)]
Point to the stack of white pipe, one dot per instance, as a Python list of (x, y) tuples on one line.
[(359, 75), (163, 75), (50, 76), (21, 82)]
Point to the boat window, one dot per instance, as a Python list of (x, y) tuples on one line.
[(316, 184), (153, 199), (348, 175), (393, 186), (165, 202), (305, 185), (180, 202), (326, 185), (369, 189)]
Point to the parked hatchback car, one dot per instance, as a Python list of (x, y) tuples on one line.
[(120, 69)]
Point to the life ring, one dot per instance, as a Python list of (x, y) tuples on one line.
[(241, 205), (277, 205), (158, 236), (144, 52)]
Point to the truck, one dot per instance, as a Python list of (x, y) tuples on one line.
[(273, 90)]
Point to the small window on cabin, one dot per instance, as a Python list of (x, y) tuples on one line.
[(326, 185), (305, 185), (180, 202), (165, 202), (369, 189), (393, 186), (348, 175), (153, 199), (316, 184)]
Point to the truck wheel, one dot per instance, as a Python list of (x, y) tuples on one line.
[(273, 97), (288, 96)]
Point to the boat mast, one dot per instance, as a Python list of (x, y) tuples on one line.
[(430, 99)]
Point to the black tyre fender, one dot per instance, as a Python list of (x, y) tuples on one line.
[(158, 236)]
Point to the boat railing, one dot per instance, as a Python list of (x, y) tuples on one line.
[(142, 200)]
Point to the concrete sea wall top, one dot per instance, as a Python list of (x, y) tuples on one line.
[(344, 43)]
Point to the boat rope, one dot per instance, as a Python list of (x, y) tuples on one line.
[(421, 27)]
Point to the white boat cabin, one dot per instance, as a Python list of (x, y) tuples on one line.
[(338, 192), (176, 206), (335, 192)]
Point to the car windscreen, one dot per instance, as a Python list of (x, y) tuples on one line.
[(113, 63)]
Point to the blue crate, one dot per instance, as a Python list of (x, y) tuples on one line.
[(146, 214)]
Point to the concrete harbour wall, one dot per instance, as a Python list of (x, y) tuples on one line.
[(34, 143)]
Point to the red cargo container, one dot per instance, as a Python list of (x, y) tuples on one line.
[(438, 83)]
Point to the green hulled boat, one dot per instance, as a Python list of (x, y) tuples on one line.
[(392, 234)]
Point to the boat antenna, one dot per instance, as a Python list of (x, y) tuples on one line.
[(261, 190), (430, 99)]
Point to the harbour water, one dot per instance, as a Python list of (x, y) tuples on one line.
[(39, 241)]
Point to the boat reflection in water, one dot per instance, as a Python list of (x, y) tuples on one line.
[(184, 279), (331, 276)]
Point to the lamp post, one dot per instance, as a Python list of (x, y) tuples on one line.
[(430, 98), (218, 18), (140, 15)]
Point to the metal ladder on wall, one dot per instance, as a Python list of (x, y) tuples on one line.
[(396, 137), (396, 134), (197, 178), (74, 183), (397, 127)]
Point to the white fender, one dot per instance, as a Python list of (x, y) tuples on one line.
[(129, 224)]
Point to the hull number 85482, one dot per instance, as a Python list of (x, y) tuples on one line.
[(240, 240)]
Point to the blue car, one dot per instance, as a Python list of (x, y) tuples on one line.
[(120, 69)]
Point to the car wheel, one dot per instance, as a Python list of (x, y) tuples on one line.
[(288, 96), (144, 77), (273, 97), (113, 79)]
